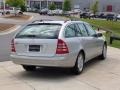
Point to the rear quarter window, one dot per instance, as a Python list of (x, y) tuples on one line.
[(70, 31)]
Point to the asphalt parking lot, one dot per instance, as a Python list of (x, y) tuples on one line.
[(98, 75)]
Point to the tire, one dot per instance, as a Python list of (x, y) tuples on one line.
[(79, 65), (103, 56), (20, 13), (7, 12), (29, 68)]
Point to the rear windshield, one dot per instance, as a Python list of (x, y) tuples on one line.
[(41, 31)]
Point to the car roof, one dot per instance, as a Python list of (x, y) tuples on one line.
[(56, 22)]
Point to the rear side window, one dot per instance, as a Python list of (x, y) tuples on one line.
[(70, 31), (40, 31), (90, 30), (83, 30)]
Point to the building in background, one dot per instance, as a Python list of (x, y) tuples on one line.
[(41, 4), (1, 3), (104, 5)]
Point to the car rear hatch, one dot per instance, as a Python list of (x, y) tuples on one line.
[(37, 40)]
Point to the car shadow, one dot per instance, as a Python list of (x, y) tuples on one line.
[(48, 73), (90, 64)]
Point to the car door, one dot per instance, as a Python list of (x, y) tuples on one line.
[(96, 42), (71, 39), (86, 41)]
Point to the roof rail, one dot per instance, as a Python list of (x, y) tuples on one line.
[(37, 21), (66, 21), (74, 19), (71, 19)]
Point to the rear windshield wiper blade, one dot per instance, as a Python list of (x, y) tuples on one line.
[(29, 36)]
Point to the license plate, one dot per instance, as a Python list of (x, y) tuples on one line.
[(34, 48)]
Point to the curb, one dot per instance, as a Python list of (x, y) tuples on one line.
[(31, 17), (10, 30), (14, 28)]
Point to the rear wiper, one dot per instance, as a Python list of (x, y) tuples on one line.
[(29, 36)]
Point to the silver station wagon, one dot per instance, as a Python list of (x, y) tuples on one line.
[(65, 44)]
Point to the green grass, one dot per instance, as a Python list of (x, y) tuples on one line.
[(115, 43), (111, 25), (114, 26)]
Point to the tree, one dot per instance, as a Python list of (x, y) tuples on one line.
[(66, 5), (52, 6), (94, 7), (23, 8), (15, 3)]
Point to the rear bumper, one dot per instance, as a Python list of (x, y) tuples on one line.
[(58, 61)]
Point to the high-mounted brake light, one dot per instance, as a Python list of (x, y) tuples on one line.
[(61, 47)]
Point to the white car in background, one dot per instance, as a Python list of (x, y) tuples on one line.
[(77, 11), (58, 12), (44, 11), (50, 13), (55, 12), (11, 10), (118, 16)]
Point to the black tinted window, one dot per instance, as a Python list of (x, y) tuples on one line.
[(42, 31)]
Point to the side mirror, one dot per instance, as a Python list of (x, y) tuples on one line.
[(98, 35)]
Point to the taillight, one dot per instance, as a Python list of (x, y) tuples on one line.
[(61, 47), (13, 46)]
